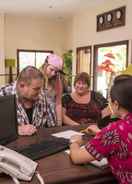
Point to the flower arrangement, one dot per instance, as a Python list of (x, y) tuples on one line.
[(110, 69)]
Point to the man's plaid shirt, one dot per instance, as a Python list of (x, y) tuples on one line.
[(43, 111)]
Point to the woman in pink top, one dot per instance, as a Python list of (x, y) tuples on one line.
[(115, 141)]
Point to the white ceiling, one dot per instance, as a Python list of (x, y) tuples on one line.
[(49, 8)]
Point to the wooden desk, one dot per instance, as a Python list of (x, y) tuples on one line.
[(58, 168)]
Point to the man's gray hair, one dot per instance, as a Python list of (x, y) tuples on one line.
[(29, 73)]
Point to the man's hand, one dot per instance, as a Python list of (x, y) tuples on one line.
[(27, 129)]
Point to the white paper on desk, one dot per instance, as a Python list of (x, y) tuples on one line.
[(67, 134)]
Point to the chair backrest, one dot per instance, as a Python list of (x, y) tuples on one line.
[(8, 119)]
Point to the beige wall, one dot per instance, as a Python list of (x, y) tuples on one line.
[(41, 33), (1, 43), (26, 32), (84, 28), (69, 26), (33, 33), (2, 66)]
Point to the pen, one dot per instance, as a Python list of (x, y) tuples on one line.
[(87, 131), (83, 130)]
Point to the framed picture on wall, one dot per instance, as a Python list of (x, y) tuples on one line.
[(111, 19)]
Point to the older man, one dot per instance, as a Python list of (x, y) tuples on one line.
[(33, 109)]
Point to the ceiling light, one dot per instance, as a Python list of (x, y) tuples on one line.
[(50, 6)]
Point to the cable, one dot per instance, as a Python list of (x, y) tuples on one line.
[(41, 180), (15, 180)]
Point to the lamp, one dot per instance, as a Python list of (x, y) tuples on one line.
[(10, 63)]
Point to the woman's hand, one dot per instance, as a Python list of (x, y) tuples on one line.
[(75, 124), (91, 129), (26, 129), (76, 139)]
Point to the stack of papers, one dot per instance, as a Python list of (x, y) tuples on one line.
[(67, 134)]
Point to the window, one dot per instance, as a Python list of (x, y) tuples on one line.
[(83, 59), (109, 60), (30, 57)]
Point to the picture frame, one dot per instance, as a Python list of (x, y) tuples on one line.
[(111, 19)]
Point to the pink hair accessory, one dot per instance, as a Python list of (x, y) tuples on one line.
[(56, 61)]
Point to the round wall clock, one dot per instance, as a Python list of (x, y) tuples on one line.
[(118, 14), (109, 17), (101, 20)]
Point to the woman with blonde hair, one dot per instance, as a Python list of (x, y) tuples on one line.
[(52, 70)]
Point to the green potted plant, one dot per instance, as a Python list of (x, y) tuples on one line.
[(67, 58)]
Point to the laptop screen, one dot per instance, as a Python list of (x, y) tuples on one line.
[(8, 120)]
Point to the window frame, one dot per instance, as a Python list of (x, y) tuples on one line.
[(28, 50), (78, 50), (95, 56)]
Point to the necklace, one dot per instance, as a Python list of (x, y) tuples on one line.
[(84, 99)]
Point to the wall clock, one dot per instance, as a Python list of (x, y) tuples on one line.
[(111, 19), (101, 20), (118, 14)]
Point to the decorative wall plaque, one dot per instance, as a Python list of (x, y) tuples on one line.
[(111, 19)]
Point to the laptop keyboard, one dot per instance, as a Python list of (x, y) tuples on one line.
[(44, 148)]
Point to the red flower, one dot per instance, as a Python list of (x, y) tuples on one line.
[(107, 66)]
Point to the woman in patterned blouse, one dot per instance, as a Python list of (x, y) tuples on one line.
[(115, 141), (83, 106)]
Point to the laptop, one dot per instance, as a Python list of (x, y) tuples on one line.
[(8, 119)]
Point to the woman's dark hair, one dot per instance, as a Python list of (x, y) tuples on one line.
[(121, 91), (121, 77), (84, 77)]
